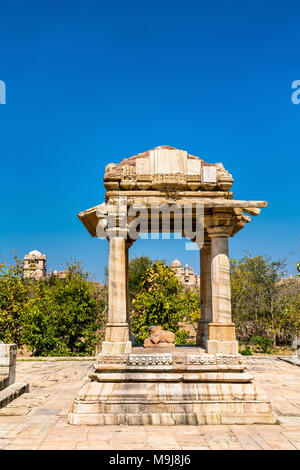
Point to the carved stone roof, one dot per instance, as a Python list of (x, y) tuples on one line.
[(166, 166), (131, 160), (164, 176)]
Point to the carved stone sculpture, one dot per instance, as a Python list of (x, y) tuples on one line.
[(159, 338)]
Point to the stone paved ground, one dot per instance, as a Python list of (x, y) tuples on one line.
[(38, 420)]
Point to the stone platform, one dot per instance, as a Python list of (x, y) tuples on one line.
[(9, 390), (182, 385)]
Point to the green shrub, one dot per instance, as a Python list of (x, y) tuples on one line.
[(246, 352), (181, 337), (263, 343)]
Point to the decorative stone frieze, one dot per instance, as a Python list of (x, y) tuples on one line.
[(135, 359), (112, 359), (214, 359), (147, 359)]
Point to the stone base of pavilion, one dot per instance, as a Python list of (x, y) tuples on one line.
[(183, 385)]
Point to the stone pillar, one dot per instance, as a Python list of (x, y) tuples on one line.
[(117, 328), (127, 246), (221, 330), (205, 294)]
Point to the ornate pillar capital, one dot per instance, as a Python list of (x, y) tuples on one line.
[(120, 232), (219, 231), (117, 232)]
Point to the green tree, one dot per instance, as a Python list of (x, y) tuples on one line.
[(14, 292), (262, 303), (137, 270), (64, 316), (162, 301), (51, 316)]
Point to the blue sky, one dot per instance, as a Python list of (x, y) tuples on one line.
[(91, 82)]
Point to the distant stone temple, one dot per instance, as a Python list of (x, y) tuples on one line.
[(186, 274), (35, 266), (291, 278)]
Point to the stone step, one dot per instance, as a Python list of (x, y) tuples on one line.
[(4, 379), (13, 391)]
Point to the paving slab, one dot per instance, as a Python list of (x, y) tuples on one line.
[(38, 420)]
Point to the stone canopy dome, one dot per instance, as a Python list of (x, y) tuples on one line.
[(131, 161), (176, 264), (166, 166), (165, 175), (35, 254)]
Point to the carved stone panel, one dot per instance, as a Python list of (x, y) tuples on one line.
[(209, 174), (165, 161), (112, 359), (157, 361), (207, 359), (142, 166), (193, 167)]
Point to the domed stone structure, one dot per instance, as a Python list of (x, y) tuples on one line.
[(176, 264), (186, 274), (35, 265)]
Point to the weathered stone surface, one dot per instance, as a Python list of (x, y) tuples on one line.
[(143, 166), (149, 360), (8, 353), (185, 365), (170, 404), (193, 167), (205, 295), (226, 347), (209, 174), (198, 388), (12, 392), (167, 161), (117, 328), (9, 390)]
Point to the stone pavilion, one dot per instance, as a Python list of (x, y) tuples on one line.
[(207, 384)]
